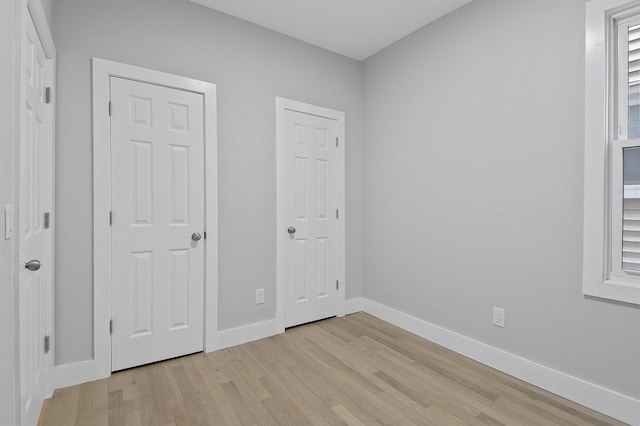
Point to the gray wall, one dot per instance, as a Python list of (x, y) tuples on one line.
[(473, 187), (47, 6), (251, 66), (8, 131)]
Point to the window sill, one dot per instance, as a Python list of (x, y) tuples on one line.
[(618, 291)]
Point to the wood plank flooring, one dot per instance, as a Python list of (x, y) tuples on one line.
[(355, 370)]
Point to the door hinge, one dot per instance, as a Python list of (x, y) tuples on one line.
[(109, 108), (46, 344), (336, 141), (47, 220), (337, 285), (47, 95), (111, 218), (205, 235), (337, 214), (110, 326)]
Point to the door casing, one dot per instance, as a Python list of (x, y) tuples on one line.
[(103, 70), (283, 105)]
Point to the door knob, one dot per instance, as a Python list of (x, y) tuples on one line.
[(291, 230), (196, 236), (33, 265)]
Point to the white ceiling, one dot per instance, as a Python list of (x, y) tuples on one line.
[(353, 28)]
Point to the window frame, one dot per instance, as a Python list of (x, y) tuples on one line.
[(605, 137)]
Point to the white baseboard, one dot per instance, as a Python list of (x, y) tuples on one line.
[(352, 306), (606, 401), (246, 334), (261, 330), (76, 373), (84, 371)]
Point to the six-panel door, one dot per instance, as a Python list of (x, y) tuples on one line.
[(157, 158), (36, 189), (311, 292)]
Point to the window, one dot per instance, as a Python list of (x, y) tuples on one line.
[(611, 258), (629, 42)]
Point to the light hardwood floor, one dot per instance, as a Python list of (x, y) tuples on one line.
[(355, 370)]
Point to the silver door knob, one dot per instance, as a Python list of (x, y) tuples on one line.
[(196, 236), (33, 265), (291, 230)]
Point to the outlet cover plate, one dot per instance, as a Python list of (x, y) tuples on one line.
[(498, 317), (8, 222), (260, 296)]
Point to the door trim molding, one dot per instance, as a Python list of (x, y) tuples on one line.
[(282, 105), (102, 71), (42, 27)]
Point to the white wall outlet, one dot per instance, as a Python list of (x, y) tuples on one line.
[(260, 296), (8, 221), (498, 317)]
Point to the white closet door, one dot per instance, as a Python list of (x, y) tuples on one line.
[(157, 158), (36, 194), (311, 291)]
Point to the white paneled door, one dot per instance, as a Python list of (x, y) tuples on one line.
[(158, 251), (311, 291), (36, 241)]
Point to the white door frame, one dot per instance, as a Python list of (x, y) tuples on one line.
[(103, 70), (283, 105)]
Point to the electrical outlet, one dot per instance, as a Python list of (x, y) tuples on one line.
[(260, 296), (498, 317), (8, 222)]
